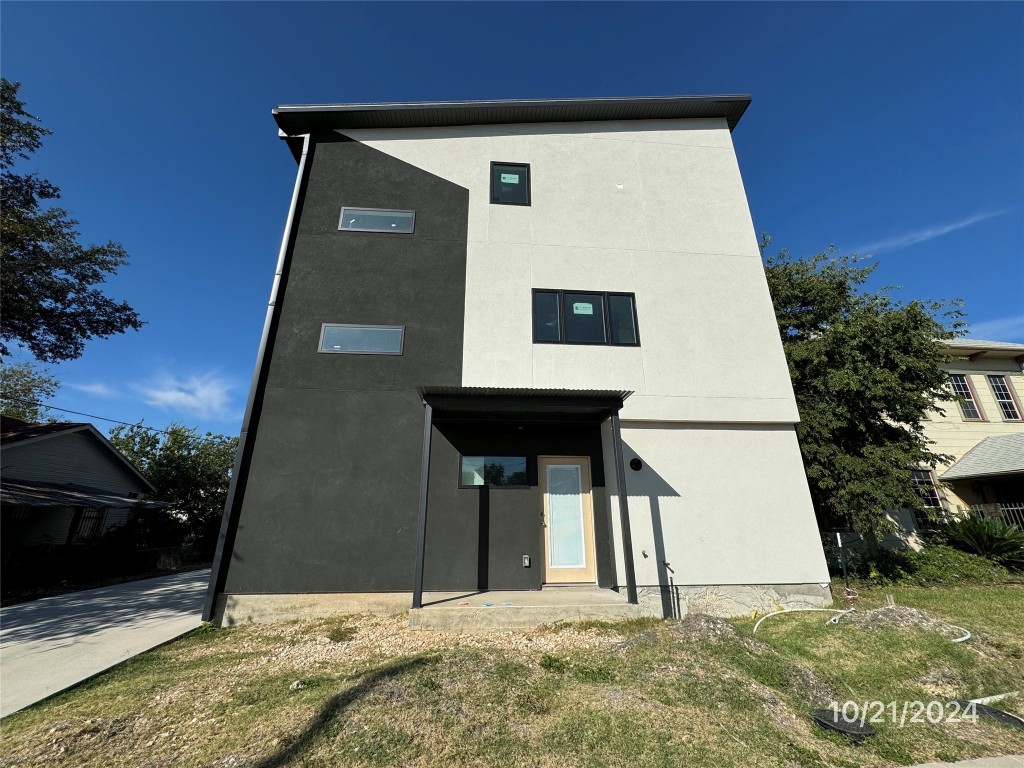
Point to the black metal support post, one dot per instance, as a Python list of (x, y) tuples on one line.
[(421, 520), (627, 538)]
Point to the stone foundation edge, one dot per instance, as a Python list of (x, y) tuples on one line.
[(731, 600)]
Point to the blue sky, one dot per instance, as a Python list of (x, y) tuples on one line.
[(885, 128)]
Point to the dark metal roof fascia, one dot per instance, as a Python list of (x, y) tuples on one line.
[(293, 119)]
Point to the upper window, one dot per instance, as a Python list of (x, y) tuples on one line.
[(510, 183), (377, 220), (584, 317), (1004, 397), (965, 392), (362, 339), (494, 471)]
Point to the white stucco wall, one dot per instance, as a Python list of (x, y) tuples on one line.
[(722, 503), (651, 207)]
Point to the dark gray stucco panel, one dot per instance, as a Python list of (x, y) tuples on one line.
[(476, 538), (330, 495)]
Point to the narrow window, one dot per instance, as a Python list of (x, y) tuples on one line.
[(362, 339), (494, 471), (1004, 397), (584, 318), (965, 392), (377, 220), (924, 483), (510, 183), (546, 326), (622, 318)]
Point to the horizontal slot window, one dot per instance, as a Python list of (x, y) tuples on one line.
[(362, 339), (584, 317), (493, 471), (377, 220)]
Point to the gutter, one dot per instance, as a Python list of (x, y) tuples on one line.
[(240, 471)]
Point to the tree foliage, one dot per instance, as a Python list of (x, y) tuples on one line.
[(189, 470), (865, 369), (23, 388), (50, 302)]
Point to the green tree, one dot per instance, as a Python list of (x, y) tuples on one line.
[(189, 470), (865, 369), (50, 304), (23, 388)]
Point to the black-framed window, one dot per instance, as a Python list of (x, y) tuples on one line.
[(340, 338), (377, 220), (510, 183), (493, 471), (584, 317)]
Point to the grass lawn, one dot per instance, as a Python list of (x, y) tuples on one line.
[(365, 691)]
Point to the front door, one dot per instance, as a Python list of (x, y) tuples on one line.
[(568, 520)]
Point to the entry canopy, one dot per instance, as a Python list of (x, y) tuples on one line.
[(518, 400)]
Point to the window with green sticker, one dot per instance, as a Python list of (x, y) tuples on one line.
[(510, 183), (584, 317)]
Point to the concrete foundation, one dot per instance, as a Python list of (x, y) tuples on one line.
[(525, 609)]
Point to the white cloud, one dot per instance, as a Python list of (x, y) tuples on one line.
[(922, 235), (1001, 329), (205, 396), (97, 388)]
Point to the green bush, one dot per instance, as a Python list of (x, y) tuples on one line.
[(938, 563), (988, 537), (942, 564)]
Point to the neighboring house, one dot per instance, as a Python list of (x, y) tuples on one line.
[(62, 484), (492, 325), (984, 432)]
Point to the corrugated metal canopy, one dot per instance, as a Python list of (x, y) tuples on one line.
[(993, 456), (522, 400), (296, 119), (28, 493)]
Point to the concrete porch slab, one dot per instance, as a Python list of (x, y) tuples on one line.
[(483, 611)]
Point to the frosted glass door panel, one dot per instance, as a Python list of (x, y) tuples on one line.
[(565, 518)]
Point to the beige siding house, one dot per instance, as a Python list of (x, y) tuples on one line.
[(983, 432)]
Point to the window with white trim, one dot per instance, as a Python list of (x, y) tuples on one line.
[(1004, 397), (924, 483), (969, 407)]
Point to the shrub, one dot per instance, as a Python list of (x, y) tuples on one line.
[(988, 537), (942, 564)]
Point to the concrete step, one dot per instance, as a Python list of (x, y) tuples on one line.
[(530, 611)]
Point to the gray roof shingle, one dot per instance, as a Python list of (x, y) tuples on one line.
[(996, 455)]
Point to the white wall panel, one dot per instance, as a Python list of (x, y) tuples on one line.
[(723, 504), (651, 207)]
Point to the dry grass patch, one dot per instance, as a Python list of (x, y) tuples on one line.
[(367, 691)]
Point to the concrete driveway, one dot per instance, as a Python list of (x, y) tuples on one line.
[(51, 644)]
